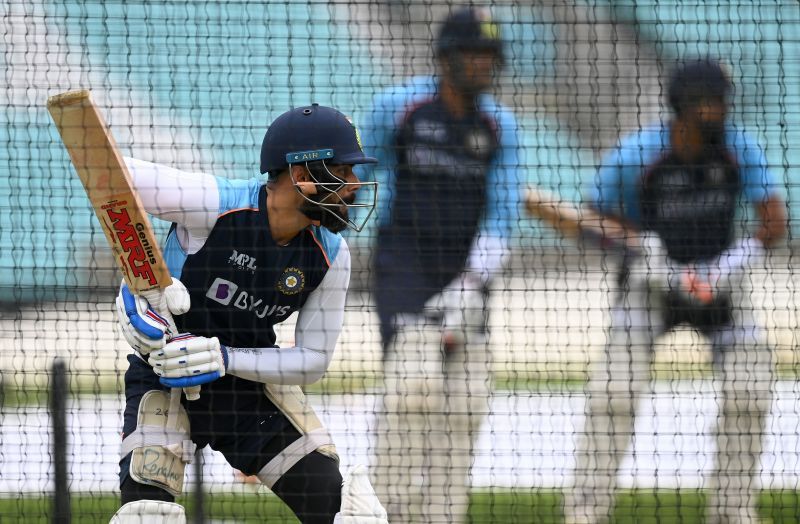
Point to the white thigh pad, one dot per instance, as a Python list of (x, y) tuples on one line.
[(149, 512), (414, 369), (159, 452), (292, 402)]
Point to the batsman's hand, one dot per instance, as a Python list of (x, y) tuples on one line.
[(143, 328), (461, 305), (188, 360), (698, 283), (650, 268), (705, 282)]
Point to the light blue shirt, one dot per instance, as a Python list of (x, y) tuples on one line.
[(503, 197), (616, 186)]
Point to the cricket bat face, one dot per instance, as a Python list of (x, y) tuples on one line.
[(108, 186)]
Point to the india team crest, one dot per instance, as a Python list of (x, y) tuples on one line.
[(292, 281), (358, 136)]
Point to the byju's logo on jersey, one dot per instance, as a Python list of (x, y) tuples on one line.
[(292, 281), (222, 291), (242, 261), (225, 292)]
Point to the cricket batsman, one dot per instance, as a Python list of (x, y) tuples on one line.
[(684, 183), (244, 255)]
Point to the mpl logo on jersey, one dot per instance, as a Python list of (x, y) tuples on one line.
[(243, 261), (228, 293)]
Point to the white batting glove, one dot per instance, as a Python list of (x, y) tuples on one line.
[(735, 263), (188, 360), (707, 281), (461, 305), (699, 283), (650, 268), (143, 328)]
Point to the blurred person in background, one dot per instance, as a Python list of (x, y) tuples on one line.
[(450, 197), (683, 183)]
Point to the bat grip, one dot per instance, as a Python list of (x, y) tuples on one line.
[(156, 299)]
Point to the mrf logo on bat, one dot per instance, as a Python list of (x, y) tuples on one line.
[(137, 252)]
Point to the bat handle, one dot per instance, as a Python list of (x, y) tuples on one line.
[(156, 299), (192, 393)]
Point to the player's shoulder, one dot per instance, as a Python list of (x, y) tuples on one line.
[(397, 99), (654, 135), (642, 145), (502, 115), (235, 194), (413, 87), (739, 138), (333, 245)]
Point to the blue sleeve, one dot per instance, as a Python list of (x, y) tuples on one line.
[(504, 180), (327, 241), (387, 110), (378, 142), (616, 186), (605, 194), (758, 182), (237, 194)]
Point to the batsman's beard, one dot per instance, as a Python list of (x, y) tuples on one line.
[(327, 216)]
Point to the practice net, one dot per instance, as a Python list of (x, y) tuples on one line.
[(578, 400)]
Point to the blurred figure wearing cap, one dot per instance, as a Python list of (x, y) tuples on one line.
[(449, 199), (681, 182), (248, 254)]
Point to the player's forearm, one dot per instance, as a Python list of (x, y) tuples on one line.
[(772, 213), (290, 366)]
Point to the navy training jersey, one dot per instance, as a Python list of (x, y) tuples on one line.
[(691, 206), (241, 282), (439, 199)]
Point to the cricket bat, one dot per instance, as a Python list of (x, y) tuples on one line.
[(119, 210), (573, 220)]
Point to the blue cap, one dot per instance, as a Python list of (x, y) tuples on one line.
[(309, 134), (469, 29), (696, 78)]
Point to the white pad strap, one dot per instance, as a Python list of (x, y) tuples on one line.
[(294, 452), (173, 440), (149, 512)]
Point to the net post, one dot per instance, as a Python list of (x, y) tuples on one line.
[(59, 391), (198, 493)]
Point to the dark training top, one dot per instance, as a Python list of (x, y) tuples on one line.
[(242, 283), (438, 202), (691, 206)]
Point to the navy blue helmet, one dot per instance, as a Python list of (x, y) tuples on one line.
[(469, 29), (695, 79), (308, 134), (316, 137)]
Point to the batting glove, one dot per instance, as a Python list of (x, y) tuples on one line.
[(705, 282), (461, 305), (651, 267), (188, 360), (143, 328)]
